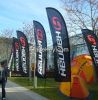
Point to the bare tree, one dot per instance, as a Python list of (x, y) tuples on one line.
[(28, 30), (82, 13), (5, 43), (7, 33)]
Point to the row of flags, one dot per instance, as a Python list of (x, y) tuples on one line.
[(61, 48), (20, 53)]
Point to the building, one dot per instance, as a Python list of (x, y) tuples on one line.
[(78, 45)]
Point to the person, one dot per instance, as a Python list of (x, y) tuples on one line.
[(3, 80)]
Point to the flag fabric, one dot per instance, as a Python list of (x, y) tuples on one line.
[(10, 62), (24, 50), (92, 44), (60, 44), (41, 52), (15, 54)]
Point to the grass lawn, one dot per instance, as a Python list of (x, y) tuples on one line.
[(49, 88)]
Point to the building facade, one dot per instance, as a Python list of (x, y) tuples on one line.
[(78, 45)]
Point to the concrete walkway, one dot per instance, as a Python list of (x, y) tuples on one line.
[(16, 92)]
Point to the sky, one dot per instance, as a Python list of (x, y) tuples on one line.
[(13, 13)]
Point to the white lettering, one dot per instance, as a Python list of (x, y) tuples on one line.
[(40, 68), (95, 52), (61, 62), (24, 60), (17, 60)]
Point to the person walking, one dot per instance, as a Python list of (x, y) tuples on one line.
[(3, 77)]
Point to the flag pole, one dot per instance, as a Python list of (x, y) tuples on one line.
[(35, 77)]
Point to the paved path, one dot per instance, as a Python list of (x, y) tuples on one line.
[(16, 92)]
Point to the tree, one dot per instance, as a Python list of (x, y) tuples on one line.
[(28, 30), (5, 43), (82, 13), (7, 33)]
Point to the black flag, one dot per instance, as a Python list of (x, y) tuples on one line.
[(41, 46), (60, 44), (92, 43), (16, 55), (24, 48)]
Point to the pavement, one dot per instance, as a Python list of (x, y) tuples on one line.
[(17, 92)]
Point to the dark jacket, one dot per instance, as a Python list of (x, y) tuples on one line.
[(4, 75)]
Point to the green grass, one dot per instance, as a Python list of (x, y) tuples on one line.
[(93, 88), (49, 88)]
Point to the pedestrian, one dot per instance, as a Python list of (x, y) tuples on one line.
[(3, 77)]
